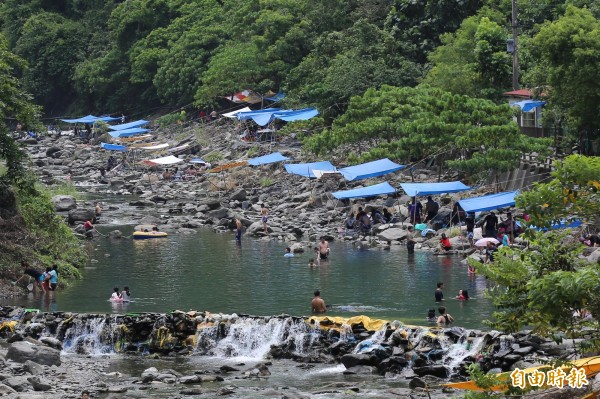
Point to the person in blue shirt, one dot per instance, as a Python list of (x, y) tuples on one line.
[(52, 277)]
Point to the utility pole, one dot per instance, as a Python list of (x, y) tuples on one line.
[(515, 24)]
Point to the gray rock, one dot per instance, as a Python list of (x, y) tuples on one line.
[(19, 384), (116, 234), (191, 391), (190, 379), (6, 390), (355, 359), (436, 370), (33, 368), (22, 351), (239, 195), (393, 234), (39, 385), (52, 342), (416, 383), (64, 203), (218, 213), (80, 215), (594, 257)]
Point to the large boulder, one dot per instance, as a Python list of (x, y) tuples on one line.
[(239, 195), (22, 351), (64, 203), (255, 228), (80, 215), (393, 234)]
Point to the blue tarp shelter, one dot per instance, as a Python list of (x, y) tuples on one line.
[(197, 160), (528, 105), (266, 116), (364, 192), (265, 159), (113, 147), (564, 224), (306, 169), (128, 132), (489, 202), (416, 189), (90, 119), (129, 125), (370, 169)]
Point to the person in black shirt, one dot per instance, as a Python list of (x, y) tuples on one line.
[(470, 222), (491, 224), (439, 295)]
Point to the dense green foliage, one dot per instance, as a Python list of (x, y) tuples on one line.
[(574, 192), (36, 233), (411, 124)]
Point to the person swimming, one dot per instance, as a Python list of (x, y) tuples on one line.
[(116, 296), (288, 253)]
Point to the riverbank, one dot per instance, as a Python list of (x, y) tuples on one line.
[(239, 350)]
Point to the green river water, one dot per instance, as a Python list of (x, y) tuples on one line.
[(209, 271)]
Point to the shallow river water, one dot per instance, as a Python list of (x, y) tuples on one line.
[(208, 271)]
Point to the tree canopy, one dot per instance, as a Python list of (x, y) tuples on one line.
[(411, 124)]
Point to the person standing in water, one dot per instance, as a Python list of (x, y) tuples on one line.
[(318, 304), (439, 295), (264, 217), (323, 249), (238, 230), (126, 294)]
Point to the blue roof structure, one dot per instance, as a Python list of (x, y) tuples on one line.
[(370, 169), (489, 202), (90, 119), (129, 125), (416, 189), (306, 169), (265, 159), (128, 132), (113, 147), (364, 192), (197, 160)]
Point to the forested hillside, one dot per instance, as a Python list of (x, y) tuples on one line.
[(135, 56)]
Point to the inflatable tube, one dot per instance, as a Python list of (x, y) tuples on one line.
[(141, 235)]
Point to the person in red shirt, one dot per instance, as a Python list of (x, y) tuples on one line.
[(445, 243), (89, 229)]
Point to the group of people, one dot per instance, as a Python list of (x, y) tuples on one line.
[(121, 296), (362, 221), (44, 281), (444, 318)]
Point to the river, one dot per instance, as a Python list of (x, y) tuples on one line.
[(209, 271)]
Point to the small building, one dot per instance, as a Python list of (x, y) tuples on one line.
[(530, 118)]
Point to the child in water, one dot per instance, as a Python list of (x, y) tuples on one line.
[(463, 295), (288, 253), (311, 263), (116, 296), (126, 294), (431, 315)]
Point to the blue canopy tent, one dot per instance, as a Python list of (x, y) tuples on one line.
[(489, 202), (266, 116), (90, 119), (364, 192), (129, 125), (128, 132), (197, 160), (370, 169), (306, 169), (266, 159), (417, 189), (113, 147)]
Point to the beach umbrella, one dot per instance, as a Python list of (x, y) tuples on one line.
[(483, 242)]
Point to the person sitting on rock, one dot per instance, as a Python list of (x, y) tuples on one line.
[(88, 227), (377, 217), (445, 243), (387, 215), (167, 176)]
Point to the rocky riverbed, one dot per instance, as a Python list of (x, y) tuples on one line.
[(56, 355), (300, 210)]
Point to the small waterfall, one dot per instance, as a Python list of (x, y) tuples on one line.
[(253, 338), (506, 342), (375, 341), (94, 336), (462, 349)]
